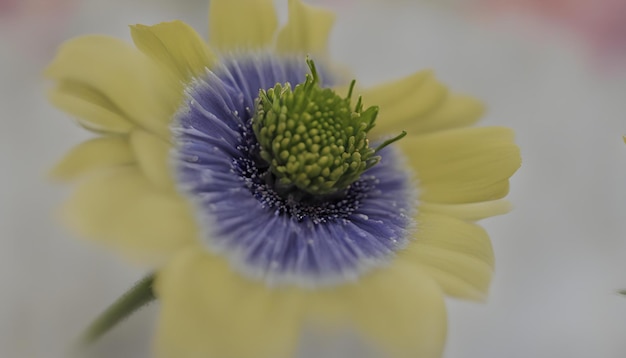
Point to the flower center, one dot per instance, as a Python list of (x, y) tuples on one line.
[(312, 138), (269, 214)]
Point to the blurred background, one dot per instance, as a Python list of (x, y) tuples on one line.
[(554, 70)]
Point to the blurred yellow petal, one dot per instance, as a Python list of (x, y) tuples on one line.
[(398, 307), (208, 310), (404, 101), (420, 104), (175, 45), (122, 209), (307, 29), (456, 110), (241, 24), (463, 165), (456, 253), (471, 211), (94, 154), (122, 75), (153, 158), (91, 107)]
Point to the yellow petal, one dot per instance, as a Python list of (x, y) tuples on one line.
[(129, 80), (241, 24), (175, 45), (399, 307), (471, 211), (404, 101), (457, 253), (153, 156), (307, 29), (207, 310), (92, 109), (122, 209), (463, 165), (92, 155), (456, 110)]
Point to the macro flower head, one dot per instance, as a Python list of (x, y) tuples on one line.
[(269, 193)]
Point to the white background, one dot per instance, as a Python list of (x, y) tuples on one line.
[(561, 254)]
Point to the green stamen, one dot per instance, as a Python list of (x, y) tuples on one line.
[(312, 138)]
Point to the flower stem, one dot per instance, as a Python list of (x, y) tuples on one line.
[(135, 298)]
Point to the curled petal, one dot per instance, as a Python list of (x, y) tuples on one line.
[(421, 104), (120, 76), (175, 45), (456, 253), (92, 109), (92, 155), (463, 165)]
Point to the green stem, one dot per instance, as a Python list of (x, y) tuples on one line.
[(135, 298)]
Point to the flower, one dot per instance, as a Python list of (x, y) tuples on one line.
[(267, 194)]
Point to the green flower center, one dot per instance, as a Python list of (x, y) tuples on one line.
[(312, 138)]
